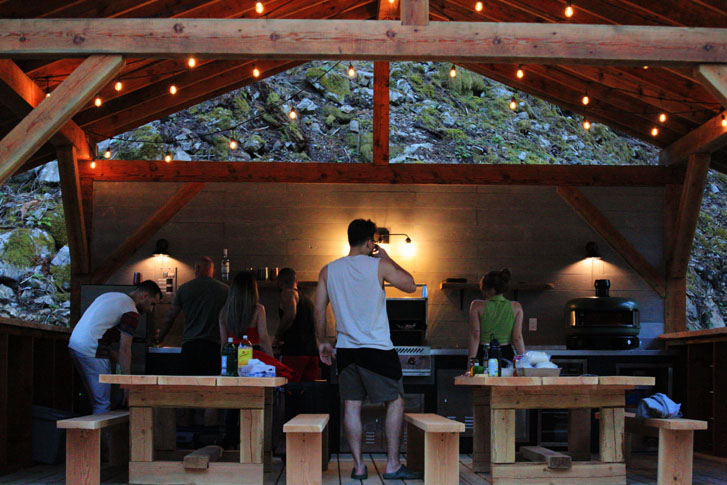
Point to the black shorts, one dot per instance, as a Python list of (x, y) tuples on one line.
[(201, 358)]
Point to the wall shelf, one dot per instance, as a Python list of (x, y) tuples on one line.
[(516, 288)]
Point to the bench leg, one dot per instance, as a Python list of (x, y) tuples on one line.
[(414, 448), (612, 435), (303, 456), (83, 456), (675, 457), (441, 458)]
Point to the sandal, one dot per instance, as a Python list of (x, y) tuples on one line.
[(362, 476), (403, 473)]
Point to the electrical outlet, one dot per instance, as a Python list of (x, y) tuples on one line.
[(532, 324)]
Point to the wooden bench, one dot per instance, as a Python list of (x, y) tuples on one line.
[(83, 445), (433, 447), (676, 440), (306, 446)]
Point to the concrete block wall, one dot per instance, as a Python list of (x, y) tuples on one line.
[(457, 231)]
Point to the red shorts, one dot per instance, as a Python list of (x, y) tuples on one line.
[(305, 367)]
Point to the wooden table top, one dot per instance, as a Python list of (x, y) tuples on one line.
[(617, 381), (205, 381)]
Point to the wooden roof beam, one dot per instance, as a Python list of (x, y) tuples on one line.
[(414, 12), (708, 138), (73, 210), (371, 40), (22, 95), (53, 112), (420, 173), (714, 79)]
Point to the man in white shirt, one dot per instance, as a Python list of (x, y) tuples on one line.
[(112, 318), (368, 365)]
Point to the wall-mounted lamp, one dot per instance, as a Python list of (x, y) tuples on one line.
[(592, 250), (384, 235), (161, 248)]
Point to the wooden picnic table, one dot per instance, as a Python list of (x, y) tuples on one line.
[(495, 400), (251, 395)]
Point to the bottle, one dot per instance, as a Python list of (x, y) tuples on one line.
[(225, 266), (244, 354), (471, 366), (494, 354), (229, 359)]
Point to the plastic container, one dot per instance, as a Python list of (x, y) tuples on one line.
[(533, 372), (244, 354)]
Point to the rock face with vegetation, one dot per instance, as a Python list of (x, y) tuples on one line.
[(434, 119)]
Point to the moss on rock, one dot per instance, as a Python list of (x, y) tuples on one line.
[(55, 222), (62, 276), (24, 245)]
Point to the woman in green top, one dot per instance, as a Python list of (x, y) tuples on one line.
[(496, 315)]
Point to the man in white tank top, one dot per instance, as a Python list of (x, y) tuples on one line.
[(368, 365)]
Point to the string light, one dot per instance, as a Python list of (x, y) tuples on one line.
[(724, 121), (453, 71), (97, 101), (293, 115), (233, 144), (351, 71), (173, 89), (646, 67), (191, 62), (569, 10), (259, 7), (585, 100), (47, 88), (391, 1), (662, 117), (654, 131), (168, 157), (118, 86), (479, 6), (513, 104), (93, 164), (107, 154), (255, 71), (520, 73), (586, 124)]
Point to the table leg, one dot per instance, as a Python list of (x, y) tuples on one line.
[(251, 435), (481, 430), (268, 431), (141, 433), (502, 435), (612, 435)]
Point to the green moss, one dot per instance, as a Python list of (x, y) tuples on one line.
[(273, 99), (221, 147), (465, 83), (24, 244), (524, 126), (339, 115), (333, 81), (150, 146), (430, 117), (240, 103), (456, 135), (55, 223), (61, 276), (367, 147), (292, 132), (423, 88)]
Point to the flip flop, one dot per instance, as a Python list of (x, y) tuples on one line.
[(403, 473), (362, 476)]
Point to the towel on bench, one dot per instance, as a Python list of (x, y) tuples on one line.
[(658, 406)]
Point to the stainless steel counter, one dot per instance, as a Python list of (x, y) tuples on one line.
[(561, 352), (164, 350)]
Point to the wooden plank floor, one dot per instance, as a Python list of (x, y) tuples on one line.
[(642, 471)]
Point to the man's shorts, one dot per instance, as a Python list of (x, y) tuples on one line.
[(356, 383)]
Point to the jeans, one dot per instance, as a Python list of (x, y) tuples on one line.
[(90, 368)]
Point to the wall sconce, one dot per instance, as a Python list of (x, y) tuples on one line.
[(592, 250), (161, 248), (384, 235)]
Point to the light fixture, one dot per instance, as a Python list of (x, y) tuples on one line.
[(118, 86), (513, 104), (97, 102), (654, 131), (161, 248), (392, 1), (479, 6), (47, 93), (351, 71), (662, 117), (586, 124), (191, 62), (384, 235), (259, 7), (168, 157), (107, 154), (47, 88), (255, 71), (592, 250), (585, 100), (724, 121), (520, 73), (452, 71), (172, 89), (93, 164), (569, 10), (233, 144), (646, 67), (293, 115)]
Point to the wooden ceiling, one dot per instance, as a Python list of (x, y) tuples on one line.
[(624, 94)]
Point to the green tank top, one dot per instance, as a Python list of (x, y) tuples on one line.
[(497, 318)]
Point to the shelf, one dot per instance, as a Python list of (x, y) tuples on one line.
[(516, 288), (274, 284)]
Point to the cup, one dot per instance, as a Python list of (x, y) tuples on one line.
[(273, 273), (136, 281)]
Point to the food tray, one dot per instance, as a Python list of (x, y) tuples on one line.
[(533, 372)]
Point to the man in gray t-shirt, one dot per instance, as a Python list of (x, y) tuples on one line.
[(201, 301)]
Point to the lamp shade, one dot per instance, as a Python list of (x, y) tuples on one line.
[(592, 250), (161, 248)]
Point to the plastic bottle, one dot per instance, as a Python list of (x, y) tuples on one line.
[(244, 354), (494, 354), (229, 359)]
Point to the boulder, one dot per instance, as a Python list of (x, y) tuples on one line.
[(49, 173), (306, 106), (6, 294), (62, 257)]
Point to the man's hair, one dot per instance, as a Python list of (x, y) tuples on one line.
[(149, 287), (360, 231), (204, 262), (286, 277)]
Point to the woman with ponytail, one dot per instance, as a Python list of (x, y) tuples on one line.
[(244, 315), (496, 315)]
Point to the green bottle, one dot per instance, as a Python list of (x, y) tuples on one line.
[(229, 359)]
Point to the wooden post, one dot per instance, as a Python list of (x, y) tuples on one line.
[(415, 12), (141, 433), (381, 113), (481, 432), (502, 435), (611, 435), (53, 112)]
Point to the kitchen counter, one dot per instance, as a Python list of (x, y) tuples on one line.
[(164, 350), (564, 352)]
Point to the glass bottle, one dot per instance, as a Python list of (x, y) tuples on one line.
[(225, 266)]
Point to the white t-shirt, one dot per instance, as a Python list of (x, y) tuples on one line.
[(359, 303), (101, 324)]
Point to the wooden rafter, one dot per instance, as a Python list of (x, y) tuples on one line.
[(714, 79), (73, 209), (613, 236), (163, 215), (52, 113), (708, 138), (381, 113), (376, 40), (464, 174), (414, 12), (22, 95)]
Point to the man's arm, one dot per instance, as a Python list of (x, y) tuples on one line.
[(325, 350), (289, 304), (474, 331), (390, 271), (517, 329), (162, 331)]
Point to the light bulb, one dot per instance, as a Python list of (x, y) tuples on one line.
[(479, 6), (654, 131), (520, 73), (453, 71), (513, 104), (168, 157), (391, 1), (255, 71), (97, 101), (118, 86), (724, 121), (662, 117), (191, 62), (585, 100), (293, 115), (259, 7), (351, 71), (646, 67), (93, 164), (569, 10), (47, 94), (586, 124), (233, 144), (173, 89), (107, 153)]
